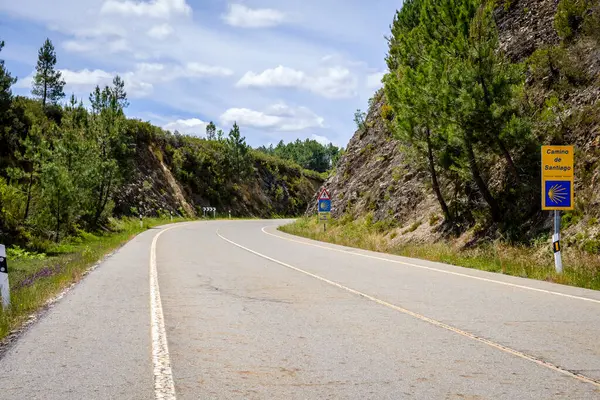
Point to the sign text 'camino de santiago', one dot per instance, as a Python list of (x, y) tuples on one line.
[(557, 178)]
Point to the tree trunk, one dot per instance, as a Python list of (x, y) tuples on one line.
[(509, 160), (485, 192), (45, 94), (103, 199), (434, 180), (57, 217), (496, 136), (29, 187)]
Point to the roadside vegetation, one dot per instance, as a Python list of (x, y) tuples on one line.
[(534, 261)]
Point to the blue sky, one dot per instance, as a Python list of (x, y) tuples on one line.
[(281, 69)]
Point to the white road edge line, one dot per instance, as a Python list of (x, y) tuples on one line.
[(436, 269), (164, 387), (439, 324)]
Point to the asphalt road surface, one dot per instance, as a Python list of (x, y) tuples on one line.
[(239, 310)]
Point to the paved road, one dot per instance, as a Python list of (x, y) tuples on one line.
[(238, 310)]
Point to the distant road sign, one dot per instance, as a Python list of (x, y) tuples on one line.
[(324, 195), (324, 216), (557, 177), (324, 205)]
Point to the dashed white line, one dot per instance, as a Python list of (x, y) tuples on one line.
[(469, 335), (436, 269)]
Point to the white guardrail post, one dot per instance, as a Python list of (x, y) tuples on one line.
[(4, 288)]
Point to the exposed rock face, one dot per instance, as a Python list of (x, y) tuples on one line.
[(374, 176), (526, 25), (154, 190)]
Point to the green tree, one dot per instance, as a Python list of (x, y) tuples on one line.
[(110, 144), (32, 158), (118, 95), (238, 152), (211, 131), (359, 119), (6, 81), (413, 90), (7, 137), (48, 84)]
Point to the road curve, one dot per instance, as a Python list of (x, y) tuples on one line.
[(239, 310)]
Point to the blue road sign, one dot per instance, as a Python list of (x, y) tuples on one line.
[(558, 193), (324, 205)]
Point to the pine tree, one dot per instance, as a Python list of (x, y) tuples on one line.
[(238, 152), (211, 131), (48, 84), (118, 96), (413, 92), (6, 81)]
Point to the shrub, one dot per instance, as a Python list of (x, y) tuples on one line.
[(387, 112), (569, 17), (556, 68)]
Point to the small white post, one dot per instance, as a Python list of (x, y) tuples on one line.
[(229, 214), (556, 243), (141, 221), (214, 212), (171, 213), (4, 288)]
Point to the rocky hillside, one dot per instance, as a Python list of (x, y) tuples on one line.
[(378, 178), (156, 187)]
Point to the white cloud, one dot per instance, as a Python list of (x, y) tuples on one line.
[(280, 76), (86, 77), (192, 126), (78, 46), (243, 17), (153, 9), (161, 31), (321, 139), (279, 117), (139, 82), (332, 82), (374, 80), (196, 69)]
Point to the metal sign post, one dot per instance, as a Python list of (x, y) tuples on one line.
[(558, 189), (556, 243), (4, 287), (324, 207)]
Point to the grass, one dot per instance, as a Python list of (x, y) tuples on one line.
[(536, 262), (36, 278)]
